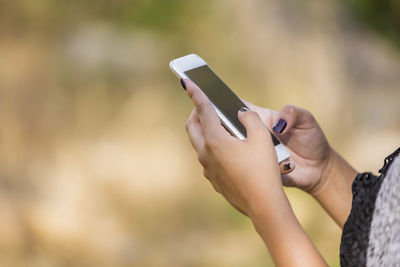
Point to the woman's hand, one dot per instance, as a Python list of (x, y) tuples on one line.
[(319, 170), (309, 148), (243, 171)]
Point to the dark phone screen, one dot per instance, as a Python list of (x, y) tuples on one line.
[(220, 95)]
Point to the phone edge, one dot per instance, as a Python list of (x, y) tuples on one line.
[(281, 150), (227, 124)]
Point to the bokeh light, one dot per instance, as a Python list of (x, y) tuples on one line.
[(95, 165)]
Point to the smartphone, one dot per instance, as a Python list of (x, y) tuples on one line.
[(224, 100)]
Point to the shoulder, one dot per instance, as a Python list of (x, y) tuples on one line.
[(384, 238), (356, 232)]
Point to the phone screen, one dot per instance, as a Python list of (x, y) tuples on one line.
[(220, 95)]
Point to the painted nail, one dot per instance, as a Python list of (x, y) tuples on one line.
[(286, 166), (280, 126), (243, 109), (183, 84)]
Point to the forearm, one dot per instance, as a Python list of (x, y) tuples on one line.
[(334, 192), (283, 235)]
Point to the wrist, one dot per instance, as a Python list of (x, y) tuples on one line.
[(266, 204), (335, 169), (276, 223), (329, 166), (334, 189)]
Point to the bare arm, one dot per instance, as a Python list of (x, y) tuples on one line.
[(283, 235), (334, 191)]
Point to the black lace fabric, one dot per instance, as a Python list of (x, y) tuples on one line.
[(355, 237)]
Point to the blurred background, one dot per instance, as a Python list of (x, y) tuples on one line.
[(95, 165)]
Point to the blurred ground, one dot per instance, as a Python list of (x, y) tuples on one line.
[(95, 166)]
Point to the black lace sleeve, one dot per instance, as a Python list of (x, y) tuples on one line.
[(355, 237)]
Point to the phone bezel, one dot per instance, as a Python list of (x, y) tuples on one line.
[(192, 61), (180, 65)]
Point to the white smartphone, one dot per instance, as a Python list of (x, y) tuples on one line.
[(224, 100)]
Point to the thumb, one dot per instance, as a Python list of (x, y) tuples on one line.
[(292, 116), (286, 166), (255, 127)]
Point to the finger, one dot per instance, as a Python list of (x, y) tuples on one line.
[(212, 182), (251, 106), (216, 188), (288, 181), (266, 115), (194, 131), (209, 119), (286, 166), (291, 116), (255, 128)]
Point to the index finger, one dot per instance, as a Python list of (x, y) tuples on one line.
[(209, 119), (195, 131)]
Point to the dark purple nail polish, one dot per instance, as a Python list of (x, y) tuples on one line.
[(286, 166), (280, 126), (183, 84), (243, 109)]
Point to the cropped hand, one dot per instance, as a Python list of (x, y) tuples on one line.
[(309, 148), (245, 172)]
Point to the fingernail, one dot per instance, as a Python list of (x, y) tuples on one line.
[(280, 126), (243, 109), (183, 84), (287, 166)]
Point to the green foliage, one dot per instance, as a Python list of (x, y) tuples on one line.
[(382, 15), (150, 13), (156, 15)]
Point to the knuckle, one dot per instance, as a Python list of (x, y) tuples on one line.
[(205, 173), (254, 120), (189, 91), (290, 109), (216, 188), (211, 144), (202, 158), (202, 107), (187, 125), (253, 114), (309, 114)]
